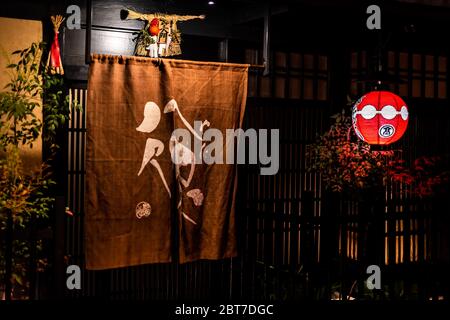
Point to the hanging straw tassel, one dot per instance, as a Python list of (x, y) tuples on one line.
[(54, 62)]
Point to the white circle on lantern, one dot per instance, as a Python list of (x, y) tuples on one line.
[(368, 112), (386, 131), (388, 112), (404, 113)]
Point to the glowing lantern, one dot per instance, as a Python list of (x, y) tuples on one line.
[(154, 27), (380, 117)]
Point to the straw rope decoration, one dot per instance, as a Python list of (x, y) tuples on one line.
[(54, 63)]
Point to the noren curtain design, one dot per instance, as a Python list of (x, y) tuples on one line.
[(135, 193)]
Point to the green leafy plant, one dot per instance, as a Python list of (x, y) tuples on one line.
[(24, 195)]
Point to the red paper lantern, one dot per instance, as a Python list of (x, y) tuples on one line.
[(380, 117)]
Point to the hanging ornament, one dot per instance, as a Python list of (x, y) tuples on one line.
[(54, 62), (380, 117), (163, 38)]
